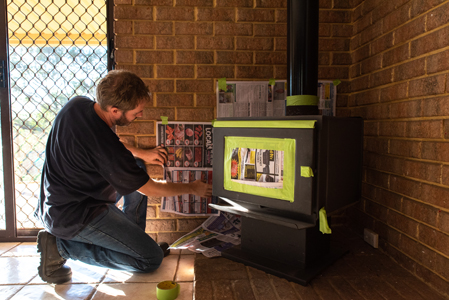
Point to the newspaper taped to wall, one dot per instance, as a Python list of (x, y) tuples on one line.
[(215, 235), (190, 157), (258, 167), (327, 93), (251, 99)]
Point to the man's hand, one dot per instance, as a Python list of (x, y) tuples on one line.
[(201, 189), (155, 156)]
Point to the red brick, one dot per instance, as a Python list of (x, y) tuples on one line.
[(233, 57), (333, 72), (341, 59), (271, 58), (175, 13), (431, 42), (270, 30), (362, 23), (133, 12), (124, 2), (367, 97), (335, 16), (175, 42), (194, 2), (381, 44), (407, 109), (244, 43), (360, 83), (215, 71), (388, 198), (438, 62), (152, 2), (405, 148), (396, 18), (396, 55), (281, 15), (402, 223), (433, 238), (435, 195), (146, 142), (134, 42), (154, 57), (406, 187), (382, 77), (234, 29), (262, 72), (189, 224), (155, 113), (206, 99), (445, 175), (394, 92), (324, 30), (443, 221), (123, 27), (280, 44), (271, 3), (442, 266), (436, 107), (333, 44), (195, 114), (361, 53), (174, 100), (446, 128), (420, 211), (255, 15), (371, 33), (280, 72), (371, 129), (194, 57), (215, 43), (409, 31), (437, 151), (155, 28), (162, 86), (377, 211), (124, 56), (423, 129), (173, 71), (427, 86), (418, 251), (323, 59), (438, 17), (156, 225), (216, 14), (378, 145), (341, 30), (371, 64), (139, 70), (421, 6), (136, 127), (234, 3), (383, 10), (193, 28), (203, 86), (410, 69)]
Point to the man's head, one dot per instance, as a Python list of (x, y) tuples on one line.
[(125, 92)]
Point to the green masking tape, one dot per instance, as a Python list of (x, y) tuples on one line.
[(306, 171), (272, 81), (266, 124), (324, 226), (167, 290), (336, 82), (302, 100), (164, 120), (222, 84)]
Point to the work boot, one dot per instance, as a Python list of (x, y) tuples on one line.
[(51, 268), (164, 246)]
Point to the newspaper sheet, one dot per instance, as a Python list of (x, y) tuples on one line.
[(216, 234), (258, 167), (251, 99), (190, 157), (327, 93)]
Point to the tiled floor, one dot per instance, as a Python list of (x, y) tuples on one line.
[(19, 279)]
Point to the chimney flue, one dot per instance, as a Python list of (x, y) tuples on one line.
[(302, 57)]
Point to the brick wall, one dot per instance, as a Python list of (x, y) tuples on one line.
[(399, 85)]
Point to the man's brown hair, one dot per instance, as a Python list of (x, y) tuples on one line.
[(121, 89)]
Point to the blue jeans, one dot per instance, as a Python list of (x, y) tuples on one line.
[(116, 239)]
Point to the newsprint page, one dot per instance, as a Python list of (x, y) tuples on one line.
[(190, 156)]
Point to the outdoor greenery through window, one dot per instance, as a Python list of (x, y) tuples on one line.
[(57, 50)]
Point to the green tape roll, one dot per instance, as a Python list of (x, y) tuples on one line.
[(302, 100), (164, 120), (167, 290)]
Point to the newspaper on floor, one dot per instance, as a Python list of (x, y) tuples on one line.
[(215, 235)]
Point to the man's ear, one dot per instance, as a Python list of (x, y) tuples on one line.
[(114, 110)]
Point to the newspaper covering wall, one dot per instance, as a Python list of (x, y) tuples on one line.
[(260, 99), (215, 235), (190, 157), (251, 99), (258, 167)]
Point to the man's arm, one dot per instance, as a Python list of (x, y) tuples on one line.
[(167, 189), (155, 156)]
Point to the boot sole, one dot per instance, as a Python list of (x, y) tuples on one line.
[(41, 241)]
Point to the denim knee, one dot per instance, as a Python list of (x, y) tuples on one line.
[(153, 263)]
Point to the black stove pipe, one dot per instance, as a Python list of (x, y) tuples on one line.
[(302, 54)]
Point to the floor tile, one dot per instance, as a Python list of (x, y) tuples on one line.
[(18, 270), (24, 249), (185, 268), (81, 273), (138, 291), (6, 291), (165, 272), (6, 246), (50, 292)]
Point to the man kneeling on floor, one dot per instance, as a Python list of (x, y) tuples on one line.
[(86, 170)]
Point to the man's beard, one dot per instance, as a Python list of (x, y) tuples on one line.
[(122, 121)]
